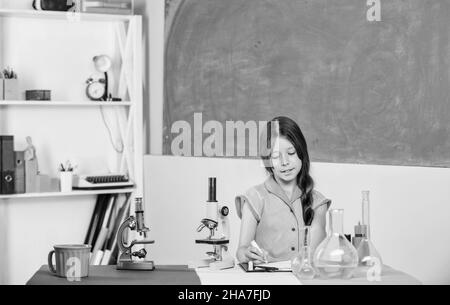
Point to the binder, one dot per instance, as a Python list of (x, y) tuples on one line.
[(8, 165), (19, 172), (102, 235), (111, 251), (92, 225)]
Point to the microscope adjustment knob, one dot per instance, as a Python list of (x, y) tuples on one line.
[(224, 211), (140, 254)]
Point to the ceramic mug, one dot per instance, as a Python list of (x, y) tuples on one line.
[(72, 261)]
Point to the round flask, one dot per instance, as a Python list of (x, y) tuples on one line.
[(335, 257)]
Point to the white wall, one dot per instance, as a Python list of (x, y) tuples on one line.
[(409, 208)]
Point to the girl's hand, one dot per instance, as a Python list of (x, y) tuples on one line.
[(253, 254)]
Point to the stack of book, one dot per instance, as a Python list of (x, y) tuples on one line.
[(19, 175), (121, 7), (109, 213)]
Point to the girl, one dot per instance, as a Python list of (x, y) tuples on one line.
[(274, 213)]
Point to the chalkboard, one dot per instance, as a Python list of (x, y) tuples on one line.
[(372, 92)]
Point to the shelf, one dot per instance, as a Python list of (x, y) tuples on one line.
[(60, 103), (70, 17), (70, 194)]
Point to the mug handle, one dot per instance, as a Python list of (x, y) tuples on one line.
[(50, 263)]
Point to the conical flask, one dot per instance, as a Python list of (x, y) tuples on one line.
[(335, 257), (302, 264), (368, 256)]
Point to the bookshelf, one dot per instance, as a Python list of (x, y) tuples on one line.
[(65, 103), (50, 15), (126, 32), (74, 193)]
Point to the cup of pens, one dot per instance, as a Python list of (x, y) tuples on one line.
[(66, 176), (10, 85)]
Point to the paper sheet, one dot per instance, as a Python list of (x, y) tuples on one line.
[(237, 276), (284, 265)]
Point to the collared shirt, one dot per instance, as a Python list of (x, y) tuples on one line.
[(280, 219)]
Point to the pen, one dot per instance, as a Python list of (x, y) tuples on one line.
[(254, 244)]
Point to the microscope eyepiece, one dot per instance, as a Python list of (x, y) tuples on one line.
[(212, 190)]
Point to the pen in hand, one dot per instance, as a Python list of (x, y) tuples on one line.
[(264, 253)]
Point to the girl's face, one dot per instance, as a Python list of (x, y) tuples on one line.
[(285, 161)]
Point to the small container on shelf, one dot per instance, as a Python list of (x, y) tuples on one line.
[(66, 176), (38, 95), (9, 90), (66, 181)]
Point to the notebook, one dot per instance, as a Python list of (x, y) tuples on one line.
[(283, 266)]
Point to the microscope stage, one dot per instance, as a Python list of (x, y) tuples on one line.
[(213, 241), (136, 265)]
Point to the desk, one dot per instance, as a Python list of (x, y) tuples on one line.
[(181, 275), (109, 275)]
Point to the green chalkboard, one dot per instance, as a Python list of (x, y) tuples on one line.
[(362, 91)]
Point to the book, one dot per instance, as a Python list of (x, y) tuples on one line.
[(106, 258), (111, 251), (123, 7), (107, 10), (96, 258), (99, 219), (90, 233), (111, 223), (101, 239), (117, 4), (7, 159)]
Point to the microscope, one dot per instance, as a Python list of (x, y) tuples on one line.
[(216, 215), (126, 255)]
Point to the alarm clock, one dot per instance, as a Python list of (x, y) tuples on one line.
[(96, 89)]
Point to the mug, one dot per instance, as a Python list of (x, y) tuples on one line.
[(72, 261)]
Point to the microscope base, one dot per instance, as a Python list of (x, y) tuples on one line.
[(136, 265), (221, 265), (212, 264)]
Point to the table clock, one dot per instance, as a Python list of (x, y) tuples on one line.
[(96, 89)]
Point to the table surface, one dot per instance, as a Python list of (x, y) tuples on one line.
[(181, 275)]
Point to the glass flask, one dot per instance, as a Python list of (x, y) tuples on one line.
[(301, 264), (368, 256), (335, 257)]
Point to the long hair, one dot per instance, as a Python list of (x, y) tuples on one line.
[(286, 127)]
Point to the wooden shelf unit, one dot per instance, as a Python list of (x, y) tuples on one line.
[(129, 114)]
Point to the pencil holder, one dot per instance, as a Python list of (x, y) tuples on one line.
[(11, 89), (66, 181)]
